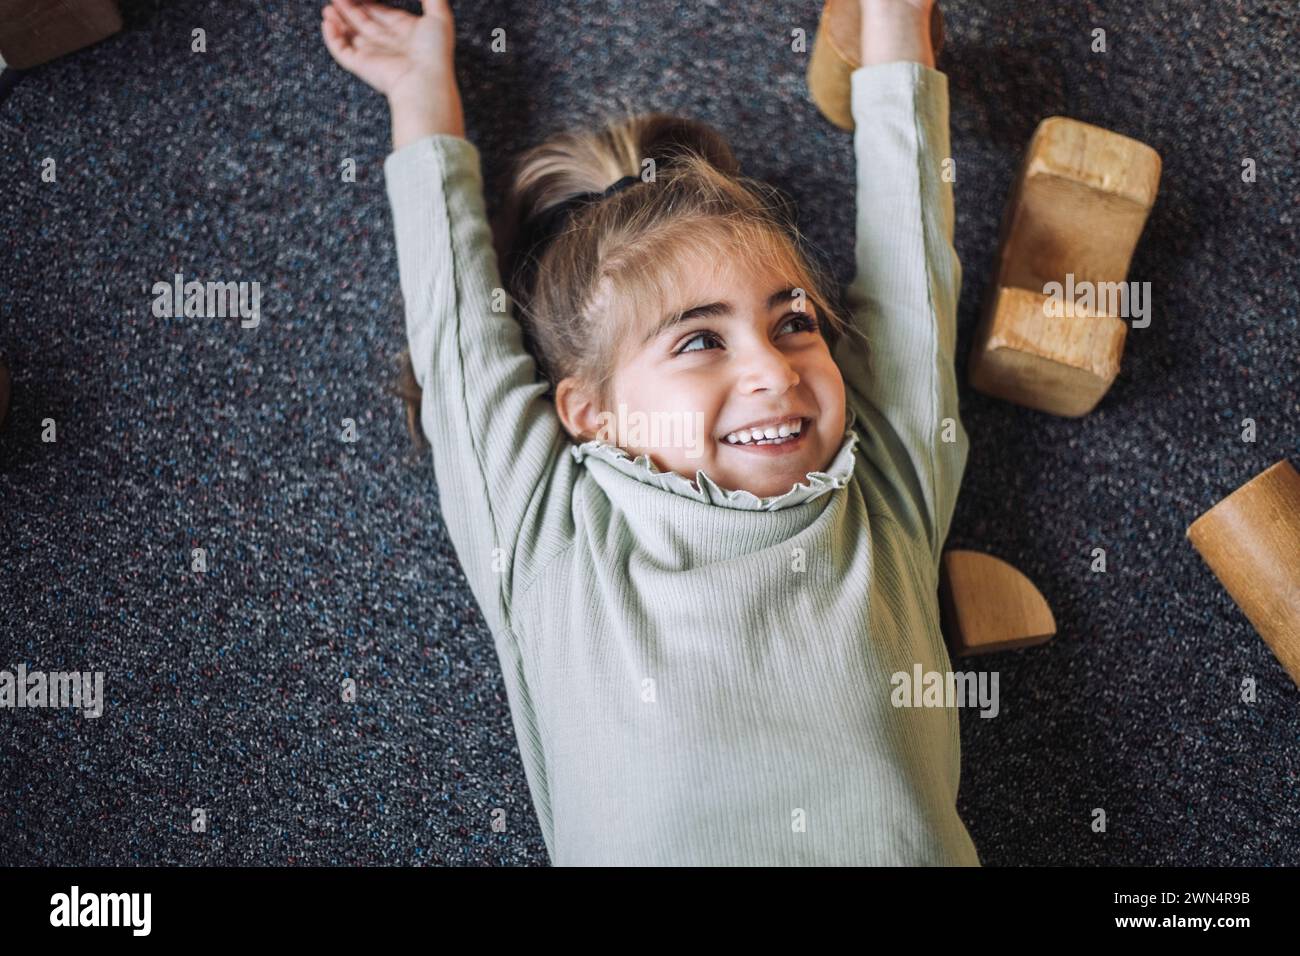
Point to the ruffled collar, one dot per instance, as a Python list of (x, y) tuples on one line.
[(706, 490)]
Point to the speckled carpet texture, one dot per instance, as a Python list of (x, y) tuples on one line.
[(327, 560)]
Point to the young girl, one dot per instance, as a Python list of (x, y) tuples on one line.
[(707, 536)]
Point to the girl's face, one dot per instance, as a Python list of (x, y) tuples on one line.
[(737, 354)]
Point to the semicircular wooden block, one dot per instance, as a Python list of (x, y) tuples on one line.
[(1080, 202), (1251, 541), (837, 52), (987, 605)]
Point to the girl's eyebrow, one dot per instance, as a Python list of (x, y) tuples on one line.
[(712, 309)]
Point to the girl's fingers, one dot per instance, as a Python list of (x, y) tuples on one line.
[(436, 9), (354, 41), (336, 43), (336, 30), (335, 19), (435, 6), (388, 17), (340, 37), (362, 20), (351, 22)]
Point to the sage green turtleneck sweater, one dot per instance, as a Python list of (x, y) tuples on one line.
[(697, 675)]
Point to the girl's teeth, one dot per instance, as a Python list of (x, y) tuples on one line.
[(772, 434)]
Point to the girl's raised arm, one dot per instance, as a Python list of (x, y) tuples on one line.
[(903, 300), (494, 433)]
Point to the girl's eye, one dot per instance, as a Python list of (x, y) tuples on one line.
[(810, 322), (695, 338), (809, 325)]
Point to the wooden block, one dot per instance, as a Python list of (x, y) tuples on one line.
[(1251, 541), (837, 52), (1080, 203), (1061, 365), (987, 605), (1081, 200), (33, 32)]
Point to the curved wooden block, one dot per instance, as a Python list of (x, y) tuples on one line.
[(1081, 200), (987, 605), (1251, 541), (837, 52)]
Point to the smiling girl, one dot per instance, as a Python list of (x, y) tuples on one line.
[(697, 638)]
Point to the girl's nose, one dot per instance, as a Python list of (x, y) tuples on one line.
[(768, 369)]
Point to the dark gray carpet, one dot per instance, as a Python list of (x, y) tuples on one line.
[(328, 560)]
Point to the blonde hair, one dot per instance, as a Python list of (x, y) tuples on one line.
[(608, 274)]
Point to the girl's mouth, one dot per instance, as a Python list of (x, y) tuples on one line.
[(779, 444)]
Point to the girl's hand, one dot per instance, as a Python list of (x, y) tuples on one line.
[(894, 30), (921, 5), (408, 59), (389, 49)]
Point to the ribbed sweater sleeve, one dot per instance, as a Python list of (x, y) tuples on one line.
[(494, 433), (898, 359)]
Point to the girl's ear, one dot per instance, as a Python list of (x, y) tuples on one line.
[(579, 412)]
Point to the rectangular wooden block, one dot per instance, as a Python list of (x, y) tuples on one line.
[(1080, 204), (1061, 365)]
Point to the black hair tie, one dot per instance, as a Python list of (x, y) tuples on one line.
[(546, 226)]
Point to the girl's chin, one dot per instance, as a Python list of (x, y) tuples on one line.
[(765, 479), (761, 473)]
